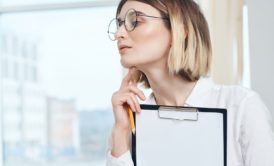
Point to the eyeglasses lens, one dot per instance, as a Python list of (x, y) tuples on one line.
[(130, 23)]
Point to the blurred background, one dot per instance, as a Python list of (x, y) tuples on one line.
[(58, 70)]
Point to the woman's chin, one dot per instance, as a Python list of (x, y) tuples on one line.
[(126, 64)]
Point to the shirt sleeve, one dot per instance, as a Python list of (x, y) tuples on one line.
[(124, 160), (257, 138)]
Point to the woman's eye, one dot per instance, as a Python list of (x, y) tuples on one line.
[(135, 23), (119, 23)]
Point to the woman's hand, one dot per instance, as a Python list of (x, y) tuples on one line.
[(125, 97)]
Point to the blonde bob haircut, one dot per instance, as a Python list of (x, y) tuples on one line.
[(190, 54)]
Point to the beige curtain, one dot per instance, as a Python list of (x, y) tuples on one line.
[(225, 18)]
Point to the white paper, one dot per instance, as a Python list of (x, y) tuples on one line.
[(165, 142)]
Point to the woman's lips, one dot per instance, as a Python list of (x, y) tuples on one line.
[(123, 48)]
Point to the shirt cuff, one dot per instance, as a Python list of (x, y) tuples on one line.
[(123, 160)]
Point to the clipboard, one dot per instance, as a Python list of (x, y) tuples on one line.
[(169, 135)]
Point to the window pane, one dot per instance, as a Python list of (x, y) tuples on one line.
[(59, 72)]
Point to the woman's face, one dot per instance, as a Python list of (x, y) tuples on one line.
[(149, 43)]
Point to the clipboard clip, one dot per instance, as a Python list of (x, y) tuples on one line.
[(178, 113)]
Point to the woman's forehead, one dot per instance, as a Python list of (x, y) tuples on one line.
[(138, 6)]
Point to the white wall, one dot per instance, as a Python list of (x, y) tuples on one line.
[(261, 35)]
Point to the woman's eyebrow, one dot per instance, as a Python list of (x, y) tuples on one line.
[(118, 19), (140, 13)]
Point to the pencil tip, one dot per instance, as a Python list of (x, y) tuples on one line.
[(133, 131)]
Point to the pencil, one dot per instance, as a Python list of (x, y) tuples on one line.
[(132, 125)]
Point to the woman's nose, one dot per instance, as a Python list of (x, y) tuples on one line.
[(121, 32)]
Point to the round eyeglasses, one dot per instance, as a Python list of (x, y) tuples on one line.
[(130, 22)]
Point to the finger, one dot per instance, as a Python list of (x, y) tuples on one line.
[(138, 92), (134, 99), (133, 83), (126, 80), (136, 102), (131, 103)]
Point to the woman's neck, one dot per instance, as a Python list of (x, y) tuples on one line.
[(168, 89)]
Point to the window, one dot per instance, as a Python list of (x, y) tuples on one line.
[(3, 44), (5, 68), (246, 74), (15, 71), (56, 106)]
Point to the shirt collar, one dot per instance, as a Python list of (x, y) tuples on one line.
[(198, 95), (200, 92)]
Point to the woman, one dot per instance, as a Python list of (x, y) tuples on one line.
[(166, 45)]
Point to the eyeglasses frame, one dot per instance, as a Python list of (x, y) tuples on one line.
[(123, 22)]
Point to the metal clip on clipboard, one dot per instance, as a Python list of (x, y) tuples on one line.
[(180, 113)]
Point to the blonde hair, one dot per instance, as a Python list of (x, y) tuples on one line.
[(190, 54)]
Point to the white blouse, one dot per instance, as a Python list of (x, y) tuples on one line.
[(250, 139)]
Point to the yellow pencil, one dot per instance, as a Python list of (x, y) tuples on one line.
[(132, 125)]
